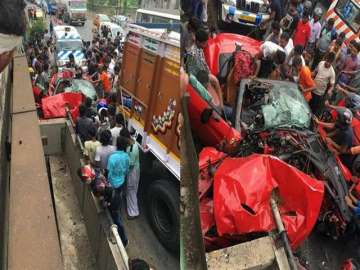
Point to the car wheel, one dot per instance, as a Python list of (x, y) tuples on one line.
[(164, 215)]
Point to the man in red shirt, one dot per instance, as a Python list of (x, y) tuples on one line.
[(302, 31)]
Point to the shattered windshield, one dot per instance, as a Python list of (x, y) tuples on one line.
[(286, 107), (69, 45), (266, 104), (82, 86)]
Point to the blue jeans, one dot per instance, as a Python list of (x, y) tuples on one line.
[(115, 206), (116, 216)]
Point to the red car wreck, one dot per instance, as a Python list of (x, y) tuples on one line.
[(269, 144), (236, 199)]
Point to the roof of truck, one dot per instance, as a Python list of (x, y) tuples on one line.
[(162, 35), (167, 13)]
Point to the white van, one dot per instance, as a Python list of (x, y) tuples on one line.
[(68, 41), (114, 29)]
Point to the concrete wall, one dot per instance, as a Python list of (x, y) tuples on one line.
[(33, 241), (51, 133)]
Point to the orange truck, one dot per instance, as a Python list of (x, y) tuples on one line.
[(150, 100)]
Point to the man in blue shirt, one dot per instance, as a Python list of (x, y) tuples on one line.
[(118, 168), (118, 164)]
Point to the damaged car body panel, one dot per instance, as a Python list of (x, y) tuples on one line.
[(242, 188), (55, 106), (283, 128), (207, 123), (222, 47), (273, 119)]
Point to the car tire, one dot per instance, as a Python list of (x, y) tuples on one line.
[(164, 215)]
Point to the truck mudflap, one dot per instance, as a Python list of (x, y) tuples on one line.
[(239, 200)]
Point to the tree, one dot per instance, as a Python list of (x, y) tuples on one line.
[(37, 29)]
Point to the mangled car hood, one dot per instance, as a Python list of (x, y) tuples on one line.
[(242, 189), (54, 106)]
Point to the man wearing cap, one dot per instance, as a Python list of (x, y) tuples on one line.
[(341, 137), (11, 29)]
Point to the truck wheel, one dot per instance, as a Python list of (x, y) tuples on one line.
[(164, 215)]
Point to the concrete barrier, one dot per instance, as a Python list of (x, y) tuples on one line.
[(97, 221), (33, 238)]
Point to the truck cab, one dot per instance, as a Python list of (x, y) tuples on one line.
[(68, 41), (75, 12)]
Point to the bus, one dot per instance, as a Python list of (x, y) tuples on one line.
[(158, 18), (346, 14)]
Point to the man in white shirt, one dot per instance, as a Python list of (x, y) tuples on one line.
[(324, 81), (286, 43), (315, 28), (119, 124), (104, 150), (270, 54)]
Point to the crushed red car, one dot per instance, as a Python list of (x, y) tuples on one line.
[(236, 199), (269, 118), (215, 131), (64, 91)]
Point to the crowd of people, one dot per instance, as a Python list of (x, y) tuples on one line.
[(103, 61), (111, 154), (113, 166), (298, 45)]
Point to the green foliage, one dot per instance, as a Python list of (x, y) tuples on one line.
[(37, 28)]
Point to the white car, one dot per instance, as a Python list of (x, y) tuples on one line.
[(120, 20), (245, 12)]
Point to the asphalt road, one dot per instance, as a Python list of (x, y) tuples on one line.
[(85, 31)]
